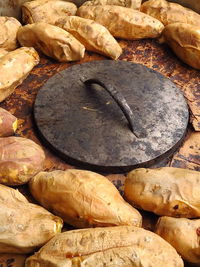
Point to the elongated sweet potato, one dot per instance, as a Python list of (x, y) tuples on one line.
[(83, 199), (92, 35), (20, 159), (184, 40), (8, 123), (183, 234), (169, 13), (123, 22), (52, 41), (165, 191), (46, 11), (8, 33), (135, 4), (14, 68), (119, 246), (24, 226)]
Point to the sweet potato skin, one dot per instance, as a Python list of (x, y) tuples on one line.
[(83, 199), (20, 159), (165, 191), (183, 234), (25, 227), (8, 123), (121, 246), (135, 4)]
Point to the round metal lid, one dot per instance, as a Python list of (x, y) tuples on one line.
[(84, 125)]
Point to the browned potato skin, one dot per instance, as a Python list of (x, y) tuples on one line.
[(165, 191), (92, 35), (52, 41), (19, 62), (183, 234), (83, 199), (8, 123), (8, 33), (119, 246), (123, 22), (24, 226), (169, 13), (184, 40), (135, 4), (20, 159), (48, 11)]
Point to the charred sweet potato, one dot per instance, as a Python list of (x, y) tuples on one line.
[(8, 123)]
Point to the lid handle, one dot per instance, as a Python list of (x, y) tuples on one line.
[(119, 99)]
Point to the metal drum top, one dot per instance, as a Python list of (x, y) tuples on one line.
[(86, 127)]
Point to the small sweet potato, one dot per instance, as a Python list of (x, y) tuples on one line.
[(8, 123), (83, 199), (20, 159), (24, 227), (135, 4)]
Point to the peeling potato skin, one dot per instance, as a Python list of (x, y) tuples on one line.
[(165, 191), (119, 246), (183, 234)]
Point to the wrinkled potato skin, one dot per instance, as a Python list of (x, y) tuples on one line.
[(83, 199), (135, 4), (184, 40), (3, 52), (19, 62), (20, 159), (8, 123), (183, 234), (123, 22), (92, 35), (8, 33), (165, 191), (52, 41), (169, 13), (24, 226), (48, 11), (119, 246)]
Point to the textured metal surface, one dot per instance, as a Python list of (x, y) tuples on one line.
[(85, 126)]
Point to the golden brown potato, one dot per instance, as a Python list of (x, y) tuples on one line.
[(14, 68), (8, 33), (8, 123), (135, 4), (83, 199), (20, 159), (184, 40), (46, 11), (92, 35), (52, 41), (169, 13), (119, 246), (24, 226), (183, 234), (3, 52), (165, 191), (123, 22)]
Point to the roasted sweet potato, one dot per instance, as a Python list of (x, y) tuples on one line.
[(83, 199), (123, 22), (183, 234), (52, 41), (24, 226), (8, 123), (20, 159), (118, 246), (92, 35), (46, 11), (14, 68), (184, 40), (135, 4), (3, 52), (169, 13), (8, 33), (165, 191)]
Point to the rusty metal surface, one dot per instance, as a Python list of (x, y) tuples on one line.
[(147, 52)]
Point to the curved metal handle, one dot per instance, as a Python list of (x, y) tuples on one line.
[(119, 99)]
